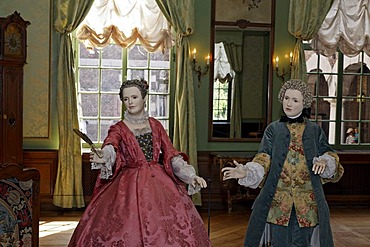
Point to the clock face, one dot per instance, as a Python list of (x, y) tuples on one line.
[(13, 41)]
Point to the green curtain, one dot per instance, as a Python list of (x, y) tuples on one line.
[(305, 19), (180, 13), (68, 188), (234, 55)]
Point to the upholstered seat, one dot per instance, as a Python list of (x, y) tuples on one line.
[(19, 205)]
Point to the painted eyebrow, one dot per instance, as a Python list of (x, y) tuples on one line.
[(134, 95), (286, 96)]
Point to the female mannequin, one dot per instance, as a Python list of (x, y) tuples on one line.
[(139, 200)]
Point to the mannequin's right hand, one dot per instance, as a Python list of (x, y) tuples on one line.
[(94, 158), (234, 172)]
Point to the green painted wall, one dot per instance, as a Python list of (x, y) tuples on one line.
[(39, 104), (200, 40)]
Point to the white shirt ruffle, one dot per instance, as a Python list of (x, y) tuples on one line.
[(255, 173)]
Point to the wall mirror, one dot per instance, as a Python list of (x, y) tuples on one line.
[(242, 41)]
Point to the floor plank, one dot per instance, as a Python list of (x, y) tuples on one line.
[(350, 226)]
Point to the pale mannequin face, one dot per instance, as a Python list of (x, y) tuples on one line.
[(293, 103), (133, 101)]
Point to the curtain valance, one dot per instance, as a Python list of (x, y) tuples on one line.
[(125, 22), (347, 27)]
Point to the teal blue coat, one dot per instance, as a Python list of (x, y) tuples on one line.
[(275, 143)]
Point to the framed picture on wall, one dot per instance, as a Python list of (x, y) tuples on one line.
[(257, 11)]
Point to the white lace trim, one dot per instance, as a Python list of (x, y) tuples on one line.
[(136, 120), (106, 169), (185, 173), (330, 167), (255, 173)]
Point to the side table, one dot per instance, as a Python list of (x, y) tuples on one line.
[(234, 191)]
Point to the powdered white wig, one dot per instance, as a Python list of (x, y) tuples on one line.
[(297, 84)]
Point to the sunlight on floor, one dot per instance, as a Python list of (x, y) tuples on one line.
[(53, 227)]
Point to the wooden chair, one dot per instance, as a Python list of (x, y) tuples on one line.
[(19, 205)]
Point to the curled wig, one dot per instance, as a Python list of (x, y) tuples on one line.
[(297, 84)]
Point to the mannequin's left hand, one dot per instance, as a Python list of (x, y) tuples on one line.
[(319, 167), (199, 181)]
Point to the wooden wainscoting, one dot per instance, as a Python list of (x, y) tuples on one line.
[(351, 190), (353, 187), (46, 162)]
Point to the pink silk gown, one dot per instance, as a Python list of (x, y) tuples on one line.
[(143, 203)]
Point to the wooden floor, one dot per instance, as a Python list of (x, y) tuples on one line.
[(350, 226)]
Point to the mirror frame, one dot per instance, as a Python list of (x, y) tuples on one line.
[(245, 25)]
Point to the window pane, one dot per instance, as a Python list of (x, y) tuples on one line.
[(89, 79), (351, 60), (220, 100), (365, 108), (89, 103), (88, 57), (350, 110), (111, 80), (104, 127), (112, 56), (366, 59), (364, 133), (137, 57), (160, 60), (137, 74), (326, 64), (158, 105), (91, 127), (159, 81), (111, 105), (165, 124)]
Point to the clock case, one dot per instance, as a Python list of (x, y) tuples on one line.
[(13, 36), (12, 60)]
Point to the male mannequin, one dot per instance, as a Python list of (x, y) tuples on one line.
[(293, 161)]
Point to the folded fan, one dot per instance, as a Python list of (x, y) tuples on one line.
[(84, 137)]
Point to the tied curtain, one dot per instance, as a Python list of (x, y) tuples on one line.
[(68, 187), (234, 55), (125, 22), (180, 14), (347, 27), (305, 19)]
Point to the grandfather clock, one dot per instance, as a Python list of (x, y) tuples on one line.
[(13, 54)]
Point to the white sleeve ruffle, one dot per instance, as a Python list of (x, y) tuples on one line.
[(109, 156), (185, 173), (330, 167), (255, 174)]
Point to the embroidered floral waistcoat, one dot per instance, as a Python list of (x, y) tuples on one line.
[(294, 187)]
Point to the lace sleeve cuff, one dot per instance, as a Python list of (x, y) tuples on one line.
[(185, 173), (330, 165), (106, 169), (182, 169), (255, 174)]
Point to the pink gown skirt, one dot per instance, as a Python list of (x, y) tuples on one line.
[(142, 206)]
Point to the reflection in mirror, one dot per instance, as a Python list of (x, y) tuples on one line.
[(240, 83), (240, 71)]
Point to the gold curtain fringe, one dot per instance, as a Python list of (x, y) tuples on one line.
[(90, 38)]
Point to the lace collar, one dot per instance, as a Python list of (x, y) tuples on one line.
[(136, 120)]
